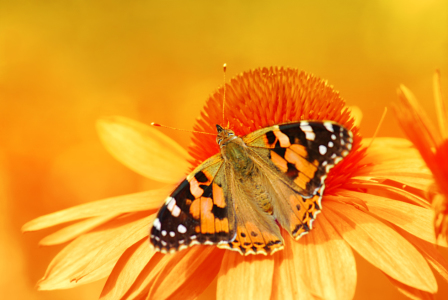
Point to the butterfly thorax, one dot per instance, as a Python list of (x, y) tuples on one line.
[(244, 170)]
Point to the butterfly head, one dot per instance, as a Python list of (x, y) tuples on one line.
[(224, 135)]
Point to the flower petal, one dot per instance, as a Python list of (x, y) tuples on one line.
[(393, 190), (245, 277), (150, 273), (326, 262), (77, 255), (117, 205), (143, 149), (410, 292), (126, 270), (112, 249), (381, 246), (287, 282), (73, 231), (429, 251), (414, 219), (188, 278)]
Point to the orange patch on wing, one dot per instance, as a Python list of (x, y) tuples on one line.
[(218, 196), (222, 225), (299, 149), (195, 208), (279, 161), (301, 180), (301, 163), (196, 191), (207, 218), (283, 138)]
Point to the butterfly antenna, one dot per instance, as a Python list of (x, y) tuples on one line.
[(224, 97), (379, 125), (158, 125)]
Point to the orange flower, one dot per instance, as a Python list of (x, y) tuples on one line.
[(432, 145), (372, 204)]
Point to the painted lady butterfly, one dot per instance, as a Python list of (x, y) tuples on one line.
[(235, 198)]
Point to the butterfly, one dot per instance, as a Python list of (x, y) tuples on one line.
[(237, 198)]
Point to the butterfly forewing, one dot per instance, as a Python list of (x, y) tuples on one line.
[(197, 212), (296, 159), (301, 153)]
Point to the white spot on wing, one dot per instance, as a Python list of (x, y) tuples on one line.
[(322, 149), (181, 228), (176, 211), (310, 136), (164, 232), (329, 126), (330, 144), (172, 234), (157, 225), (168, 199), (333, 137), (171, 204)]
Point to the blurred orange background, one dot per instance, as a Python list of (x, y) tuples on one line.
[(63, 64)]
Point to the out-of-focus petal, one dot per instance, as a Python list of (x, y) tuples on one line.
[(126, 270), (150, 273), (149, 200), (325, 261), (245, 277), (411, 292), (70, 232), (75, 257), (143, 149), (287, 281), (112, 249), (381, 246), (188, 278), (414, 219), (356, 113), (429, 251), (416, 125)]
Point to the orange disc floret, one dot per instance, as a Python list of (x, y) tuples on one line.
[(268, 96)]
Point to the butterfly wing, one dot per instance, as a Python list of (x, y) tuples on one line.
[(256, 231), (197, 212), (296, 159)]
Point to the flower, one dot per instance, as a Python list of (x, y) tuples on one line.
[(373, 204), (432, 145)]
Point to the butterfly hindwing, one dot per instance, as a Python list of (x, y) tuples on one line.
[(196, 212), (256, 231)]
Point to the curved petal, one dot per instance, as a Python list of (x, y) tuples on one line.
[(112, 249), (117, 205), (414, 219), (381, 246), (143, 149), (144, 282), (76, 256), (325, 261), (73, 231), (245, 277), (287, 281), (429, 251), (410, 292), (188, 278), (126, 270)]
